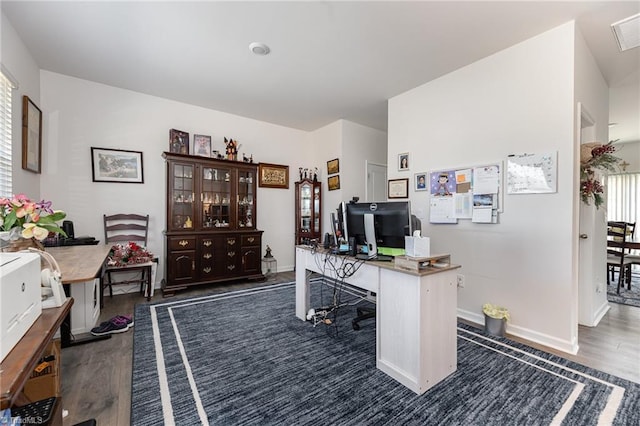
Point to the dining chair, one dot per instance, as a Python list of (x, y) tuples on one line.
[(632, 256), (617, 254), (122, 230)]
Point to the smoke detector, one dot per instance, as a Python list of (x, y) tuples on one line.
[(260, 49), (627, 32)]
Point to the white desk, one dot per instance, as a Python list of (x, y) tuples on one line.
[(416, 317)]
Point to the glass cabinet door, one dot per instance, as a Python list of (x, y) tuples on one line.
[(316, 209), (215, 197), (182, 194), (305, 207), (246, 196)]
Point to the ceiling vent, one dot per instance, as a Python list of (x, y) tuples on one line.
[(627, 32)]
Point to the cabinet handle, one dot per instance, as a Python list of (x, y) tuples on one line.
[(207, 255), (184, 243), (231, 241), (231, 253), (207, 243), (206, 270), (193, 265), (231, 267), (250, 239)]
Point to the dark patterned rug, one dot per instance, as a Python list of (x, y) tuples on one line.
[(243, 358), (627, 296)]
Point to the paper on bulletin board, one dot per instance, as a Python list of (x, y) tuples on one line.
[(532, 173), (442, 210)]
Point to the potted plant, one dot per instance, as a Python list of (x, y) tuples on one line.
[(25, 223), (495, 319)]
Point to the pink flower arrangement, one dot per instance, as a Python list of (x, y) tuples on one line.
[(24, 218)]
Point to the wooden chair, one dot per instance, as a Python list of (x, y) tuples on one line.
[(616, 254), (123, 229), (633, 258)]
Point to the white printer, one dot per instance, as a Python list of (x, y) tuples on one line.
[(20, 297)]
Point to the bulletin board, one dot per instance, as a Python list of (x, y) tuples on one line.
[(473, 193), (532, 173)]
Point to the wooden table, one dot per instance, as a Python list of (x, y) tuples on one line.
[(23, 358), (79, 264)]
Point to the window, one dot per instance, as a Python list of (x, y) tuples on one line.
[(623, 197), (6, 87)]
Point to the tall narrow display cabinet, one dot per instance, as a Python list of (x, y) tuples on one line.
[(308, 211), (211, 234)]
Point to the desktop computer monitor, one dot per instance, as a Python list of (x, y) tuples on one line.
[(391, 220)]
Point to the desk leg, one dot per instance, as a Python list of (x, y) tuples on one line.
[(303, 296), (65, 329)]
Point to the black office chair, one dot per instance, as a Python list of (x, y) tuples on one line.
[(364, 313)]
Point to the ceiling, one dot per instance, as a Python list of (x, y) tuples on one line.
[(328, 60)]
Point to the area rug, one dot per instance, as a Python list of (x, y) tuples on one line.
[(627, 296), (243, 358)]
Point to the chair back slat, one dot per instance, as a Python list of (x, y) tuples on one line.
[(126, 227)]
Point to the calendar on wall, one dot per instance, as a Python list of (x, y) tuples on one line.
[(532, 173)]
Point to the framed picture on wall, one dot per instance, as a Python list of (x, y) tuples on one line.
[(333, 166), (398, 188), (273, 176), (403, 161), (116, 165), (31, 136), (333, 182), (421, 182)]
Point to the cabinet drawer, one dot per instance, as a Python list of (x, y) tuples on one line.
[(207, 244), (251, 240), (182, 243), (231, 242)]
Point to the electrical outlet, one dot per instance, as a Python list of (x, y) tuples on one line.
[(460, 281)]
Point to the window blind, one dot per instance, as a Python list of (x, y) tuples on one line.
[(6, 87), (623, 197)]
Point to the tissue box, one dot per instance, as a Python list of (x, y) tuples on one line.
[(417, 246)]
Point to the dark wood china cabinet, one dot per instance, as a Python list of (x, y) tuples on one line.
[(211, 234), (308, 211)]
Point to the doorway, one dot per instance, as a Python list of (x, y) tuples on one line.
[(376, 179), (592, 287)]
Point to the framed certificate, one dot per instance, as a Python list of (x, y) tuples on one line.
[(398, 188)]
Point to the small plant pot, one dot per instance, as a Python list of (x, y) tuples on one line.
[(494, 326)]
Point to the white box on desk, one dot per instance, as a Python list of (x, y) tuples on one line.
[(20, 297), (417, 246)]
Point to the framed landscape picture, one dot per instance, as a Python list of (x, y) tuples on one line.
[(273, 176), (333, 166), (116, 165), (334, 182)]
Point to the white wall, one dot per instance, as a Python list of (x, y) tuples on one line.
[(360, 145), (354, 145), (629, 152), (80, 114), (19, 62), (519, 100)]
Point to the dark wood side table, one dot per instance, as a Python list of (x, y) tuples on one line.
[(23, 358)]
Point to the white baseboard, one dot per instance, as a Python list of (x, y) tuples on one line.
[(526, 333)]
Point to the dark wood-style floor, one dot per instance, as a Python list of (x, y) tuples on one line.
[(96, 378)]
